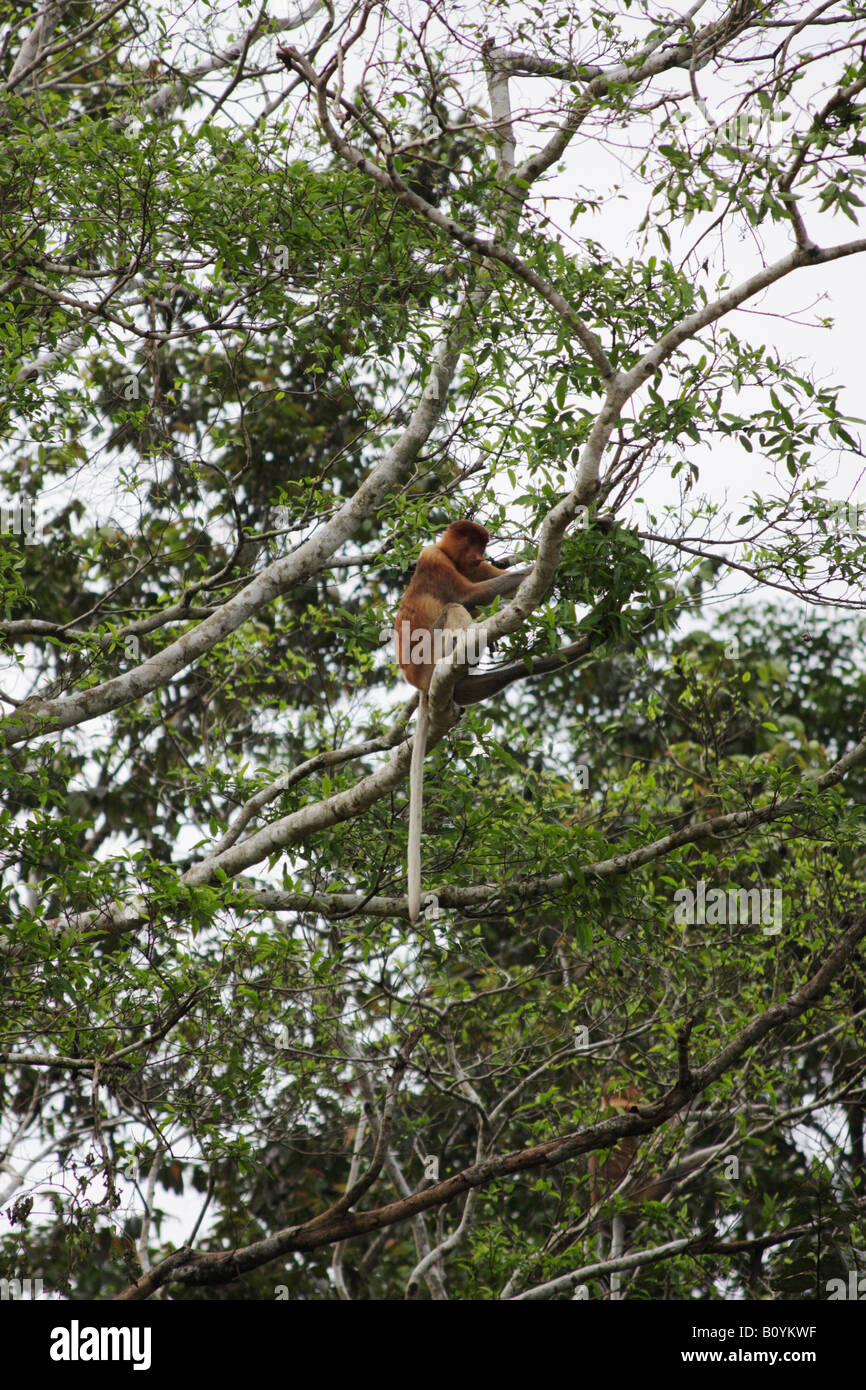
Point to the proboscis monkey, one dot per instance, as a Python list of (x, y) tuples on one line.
[(605, 1173), (453, 576)]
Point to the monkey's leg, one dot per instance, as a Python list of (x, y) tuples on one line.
[(453, 619)]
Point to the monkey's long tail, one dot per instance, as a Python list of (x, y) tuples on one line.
[(416, 788)]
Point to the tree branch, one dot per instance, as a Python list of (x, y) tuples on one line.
[(221, 1267)]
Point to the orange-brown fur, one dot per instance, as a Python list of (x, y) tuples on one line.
[(454, 571)]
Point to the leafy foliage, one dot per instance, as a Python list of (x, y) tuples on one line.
[(252, 358)]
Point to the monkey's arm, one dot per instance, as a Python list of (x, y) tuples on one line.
[(503, 582), (483, 570)]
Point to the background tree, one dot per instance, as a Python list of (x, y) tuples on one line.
[(278, 304)]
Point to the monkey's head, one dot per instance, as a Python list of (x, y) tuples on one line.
[(464, 543)]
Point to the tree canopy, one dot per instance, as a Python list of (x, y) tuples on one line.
[(282, 296)]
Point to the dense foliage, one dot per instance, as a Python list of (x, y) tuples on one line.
[(271, 317)]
